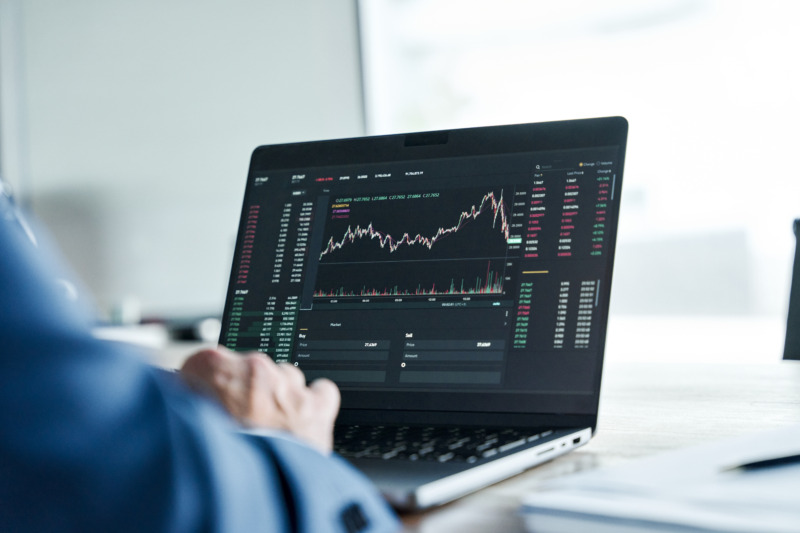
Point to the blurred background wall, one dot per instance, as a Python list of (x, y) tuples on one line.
[(127, 126), (710, 90)]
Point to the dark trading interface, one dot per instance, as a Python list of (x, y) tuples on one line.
[(484, 273)]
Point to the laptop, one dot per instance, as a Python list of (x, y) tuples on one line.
[(454, 284)]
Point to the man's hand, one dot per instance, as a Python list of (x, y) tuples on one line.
[(260, 393)]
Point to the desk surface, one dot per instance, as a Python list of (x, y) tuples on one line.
[(645, 408)]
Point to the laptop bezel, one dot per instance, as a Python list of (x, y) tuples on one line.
[(572, 134)]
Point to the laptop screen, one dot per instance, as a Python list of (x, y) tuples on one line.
[(463, 270)]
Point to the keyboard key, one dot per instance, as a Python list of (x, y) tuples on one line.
[(431, 443), (512, 445)]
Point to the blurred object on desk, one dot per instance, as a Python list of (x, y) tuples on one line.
[(166, 342), (791, 349), (694, 489), (198, 328), (150, 336)]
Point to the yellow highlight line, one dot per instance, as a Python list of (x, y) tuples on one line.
[(535, 271)]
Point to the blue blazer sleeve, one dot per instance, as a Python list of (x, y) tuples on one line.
[(92, 439)]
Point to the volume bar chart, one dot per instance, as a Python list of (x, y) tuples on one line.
[(422, 278), (491, 282)]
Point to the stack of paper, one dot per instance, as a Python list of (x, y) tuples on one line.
[(692, 490)]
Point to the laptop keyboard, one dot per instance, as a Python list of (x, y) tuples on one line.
[(441, 444)]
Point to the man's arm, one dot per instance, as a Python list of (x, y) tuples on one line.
[(92, 439)]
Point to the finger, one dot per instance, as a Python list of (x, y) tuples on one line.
[(293, 374), (291, 396), (326, 397), (199, 362), (324, 400), (219, 374), (205, 363), (199, 369), (262, 379)]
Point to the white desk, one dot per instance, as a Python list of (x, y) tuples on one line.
[(645, 408)]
